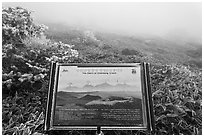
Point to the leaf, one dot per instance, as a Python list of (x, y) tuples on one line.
[(161, 117), (159, 108), (157, 93)]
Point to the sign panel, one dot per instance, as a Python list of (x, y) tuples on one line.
[(112, 96)]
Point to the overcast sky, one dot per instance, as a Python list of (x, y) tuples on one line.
[(147, 18)]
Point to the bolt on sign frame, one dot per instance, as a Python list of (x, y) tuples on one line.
[(99, 97)]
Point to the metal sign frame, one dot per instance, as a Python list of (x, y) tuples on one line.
[(146, 99)]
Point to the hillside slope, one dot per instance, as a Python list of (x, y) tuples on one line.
[(150, 48)]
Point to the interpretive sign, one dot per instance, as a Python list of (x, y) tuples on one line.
[(109, 96)]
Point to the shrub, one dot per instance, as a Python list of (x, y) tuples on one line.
[(130, 52), (26, 57)]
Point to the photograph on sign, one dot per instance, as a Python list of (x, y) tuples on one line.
[(99, 96)]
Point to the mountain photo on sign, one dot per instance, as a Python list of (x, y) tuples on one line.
[(89, 96)]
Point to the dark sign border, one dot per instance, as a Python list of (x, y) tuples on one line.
[(146, 89)]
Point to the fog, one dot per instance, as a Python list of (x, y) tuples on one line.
[(162, 19)]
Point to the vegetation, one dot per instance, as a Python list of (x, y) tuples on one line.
[(25, 71), (26, 57), (177, 96)]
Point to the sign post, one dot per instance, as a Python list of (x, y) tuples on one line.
[(99, 97)]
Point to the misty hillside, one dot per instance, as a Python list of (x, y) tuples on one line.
[(120, 47), (150, 48)]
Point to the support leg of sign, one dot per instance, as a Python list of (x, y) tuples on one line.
[(99, 132)]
